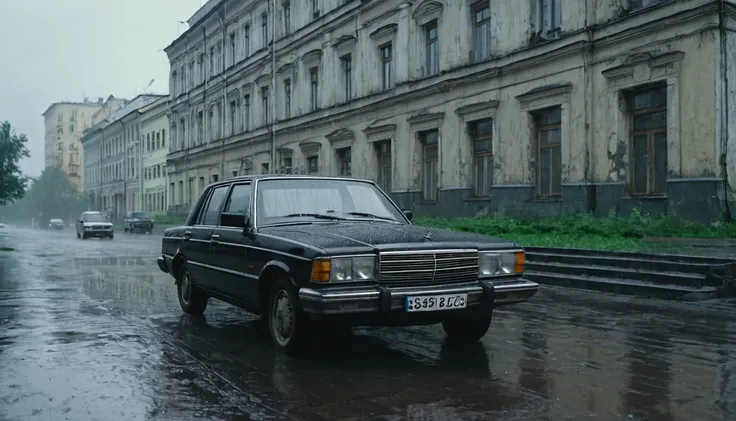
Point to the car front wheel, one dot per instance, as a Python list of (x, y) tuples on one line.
[(467, 329), (191, 299), (287, 323)]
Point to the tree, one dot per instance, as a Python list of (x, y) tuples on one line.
[(12, 150), (52, 195)]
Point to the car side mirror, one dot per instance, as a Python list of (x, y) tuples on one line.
[(409, 214), (235, 220)]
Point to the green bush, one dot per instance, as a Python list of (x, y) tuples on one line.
[(584, 231)]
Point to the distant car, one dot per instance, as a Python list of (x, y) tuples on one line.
[(138, 222), (94, 224), (2, 225), (56, 224), (302, 250)]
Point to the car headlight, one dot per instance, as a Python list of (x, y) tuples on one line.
[(499, 263), (86, 228), (344, 269)]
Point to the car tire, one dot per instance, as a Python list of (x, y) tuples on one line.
[(467, 329), (285, 317), (191, 299)]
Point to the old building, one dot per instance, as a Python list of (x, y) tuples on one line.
[(64, 124), (113, 159), (537, 107), (154, 132)]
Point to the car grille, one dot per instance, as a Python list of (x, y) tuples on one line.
[(428, 267), (98, 227)]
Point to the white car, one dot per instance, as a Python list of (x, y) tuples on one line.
[(2, 225), (94, 224)]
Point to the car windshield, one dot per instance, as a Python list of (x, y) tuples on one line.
[(140, 215), (297, 200), (57, 221), (94, 217)]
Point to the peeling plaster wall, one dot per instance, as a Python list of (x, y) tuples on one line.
[(584, 72)]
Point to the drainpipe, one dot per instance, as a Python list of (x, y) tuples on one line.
[(725, 103), (272, 165), (225, 103)]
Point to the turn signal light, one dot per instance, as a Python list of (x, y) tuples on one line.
[(520, 262), (321, 270)]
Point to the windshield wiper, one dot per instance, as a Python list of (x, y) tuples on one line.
[(313, 215), (370, 215)]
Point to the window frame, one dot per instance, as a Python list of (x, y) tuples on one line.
[(430, 195), (287, 98), (384, 184), (476, 8), (387, 66), (651, 146), (540, 148), (344, 166), (314, 88), (431, 62), (489, 155)]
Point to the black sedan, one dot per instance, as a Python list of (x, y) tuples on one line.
[(303, 251)]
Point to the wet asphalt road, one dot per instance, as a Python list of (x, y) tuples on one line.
[(91, 330)]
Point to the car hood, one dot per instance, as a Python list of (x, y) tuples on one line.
[(382, 236)]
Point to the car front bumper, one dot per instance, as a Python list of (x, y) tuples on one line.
[(99, 233), (382, 299), (162, 264)]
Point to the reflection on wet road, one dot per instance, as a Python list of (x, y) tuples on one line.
[(91, 330)]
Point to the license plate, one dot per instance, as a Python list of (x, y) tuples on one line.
[(436, 302)]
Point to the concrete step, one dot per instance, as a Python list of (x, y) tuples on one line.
[(651, 263), (625, 286), (619, 255), (690, 280)]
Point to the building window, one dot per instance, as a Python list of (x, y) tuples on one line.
[(264, 168), (264, 29), (431, 49), (233, 116), (183, 134), (211, 123), (232, 49), (264, 104), (347, 71), (430, 160), (212, 61), (286, 164), (386, 58), (246, 40), (638, 4), (246, 116), (481, 133), (200, 68), (383, 152), (344, 162), (648, 113), (287, 17), (315, 8), (482, 34), (314, 87), (313, 165), (215, 178), (287, 98), (548, 124), (163, 138), (148, 142), (200, 127), (549, 15)]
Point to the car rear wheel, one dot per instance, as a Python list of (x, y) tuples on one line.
[(467, 329), (191, 299), (287, 323)]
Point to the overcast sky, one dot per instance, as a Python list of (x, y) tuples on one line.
[(59, 50)]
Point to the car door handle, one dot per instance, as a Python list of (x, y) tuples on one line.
[(215, 238), (187, 235)]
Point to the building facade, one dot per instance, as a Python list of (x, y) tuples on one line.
[(529, 107), (154, 132), (65, 122), (114, 159)]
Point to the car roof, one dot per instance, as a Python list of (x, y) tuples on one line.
[(264, 177)]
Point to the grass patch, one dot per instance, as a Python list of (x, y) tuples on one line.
[(613, 233)]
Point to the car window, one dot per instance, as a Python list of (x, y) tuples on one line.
[(212, 212), (94, 217), (239, 199), (139, 215)]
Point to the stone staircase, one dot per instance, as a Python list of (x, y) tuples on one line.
[(662, 276)]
